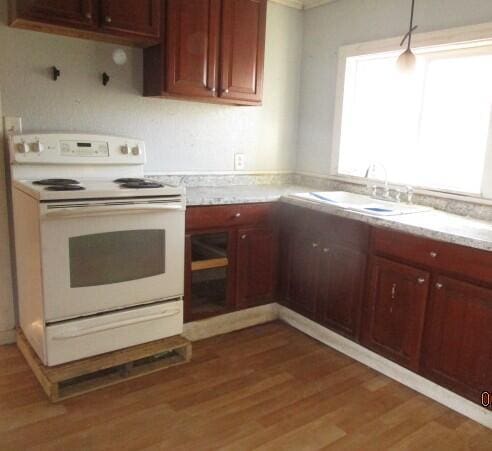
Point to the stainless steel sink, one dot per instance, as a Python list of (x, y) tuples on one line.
[(361, 203)]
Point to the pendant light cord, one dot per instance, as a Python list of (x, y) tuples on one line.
[(411, 29)]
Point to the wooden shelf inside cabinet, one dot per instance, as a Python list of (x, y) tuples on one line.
[(211, 263)]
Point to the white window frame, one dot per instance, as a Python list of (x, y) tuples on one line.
[(454, 38)]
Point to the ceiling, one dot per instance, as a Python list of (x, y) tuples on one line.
[(303, 4)]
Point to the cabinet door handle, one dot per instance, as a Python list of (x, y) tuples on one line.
[(237, 215), (421, 280), (108, 19), (315, 245), (439, 285), (225, 91), (244, 236), (433, 254), (88, 15), (326, 250), (212, 89)]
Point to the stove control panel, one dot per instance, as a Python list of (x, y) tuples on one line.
[(62, 148)]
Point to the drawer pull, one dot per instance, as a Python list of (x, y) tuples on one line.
[(88, 15), (433, 254), (326, 250), (108, 19), (421, 280), (439, 285), (315, 245), (243, 237), (237, 215)]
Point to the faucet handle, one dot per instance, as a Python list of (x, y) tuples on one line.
[(410, 191)]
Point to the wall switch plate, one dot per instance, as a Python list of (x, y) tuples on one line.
[(12, 124), (239, 161)]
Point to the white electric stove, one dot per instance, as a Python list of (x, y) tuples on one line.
[(99, 248)]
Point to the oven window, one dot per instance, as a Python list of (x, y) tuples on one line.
[(114, 257)]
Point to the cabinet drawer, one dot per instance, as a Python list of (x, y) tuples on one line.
[(464, 261), (224, 216)]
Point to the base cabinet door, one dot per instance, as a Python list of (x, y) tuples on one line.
[(395, 311), (457, 349), (340, 288), (256, 266), (302, 270), (74, 13)]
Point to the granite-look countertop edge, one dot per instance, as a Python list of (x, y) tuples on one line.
[(433, 224), (443, 226)]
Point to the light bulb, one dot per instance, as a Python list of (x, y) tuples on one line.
[(119, 57), (407, 61)]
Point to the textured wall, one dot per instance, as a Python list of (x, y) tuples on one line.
[(180, 136), (353, 21), (6, 305)]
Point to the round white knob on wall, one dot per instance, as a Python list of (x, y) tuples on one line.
[(23, 148), (37, 147), (125, 150), (136, 150)]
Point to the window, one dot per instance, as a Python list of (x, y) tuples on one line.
[(430, 129)]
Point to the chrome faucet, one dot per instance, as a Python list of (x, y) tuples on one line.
[(374, 186)]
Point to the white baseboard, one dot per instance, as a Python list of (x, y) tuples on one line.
[(386, 367), (223, 324), (7, 337)]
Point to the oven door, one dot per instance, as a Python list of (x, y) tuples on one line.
[(105, 256)]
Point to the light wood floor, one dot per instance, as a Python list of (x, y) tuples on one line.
[(268, 387)]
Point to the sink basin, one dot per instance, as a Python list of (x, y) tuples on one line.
[(361, 203)]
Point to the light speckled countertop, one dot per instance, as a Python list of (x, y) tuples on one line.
[(431, 224)]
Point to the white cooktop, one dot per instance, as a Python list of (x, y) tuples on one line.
[(95, 189)]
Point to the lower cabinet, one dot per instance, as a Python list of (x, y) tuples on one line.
[(457, 350), (257, 253), (231, 259), (395, 310), (340, 288)]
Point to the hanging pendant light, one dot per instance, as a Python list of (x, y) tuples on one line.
[(407, 60)]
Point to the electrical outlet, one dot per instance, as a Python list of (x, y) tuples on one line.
[(13, 124), (239, 161)]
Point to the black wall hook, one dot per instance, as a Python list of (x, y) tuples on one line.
[(56, 72), (105, 78)]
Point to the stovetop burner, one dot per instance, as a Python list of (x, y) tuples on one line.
[(48, 182), (67, 187), (142, 184)]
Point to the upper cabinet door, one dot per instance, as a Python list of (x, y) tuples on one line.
[(243, 49), (192, 47), (79, 13), (397, 300), (133, 17)]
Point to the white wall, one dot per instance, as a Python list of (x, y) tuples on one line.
[(180, 136), (353, 21), (6, 304)]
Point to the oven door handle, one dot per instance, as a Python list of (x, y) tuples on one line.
[(64, 212), (80, 332)]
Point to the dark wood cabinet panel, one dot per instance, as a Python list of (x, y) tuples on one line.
[(302, 269), (192, 47), (395, 311), (257, 254), (457, 350), (134, 22), (340, 288), (131, 17), (243, 48), (73, 13)]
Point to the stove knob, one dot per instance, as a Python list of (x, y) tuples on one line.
[(23, 148), (136, 151), (37, 147), (125, 150)]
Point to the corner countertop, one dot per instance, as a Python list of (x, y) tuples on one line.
[(432, 224)]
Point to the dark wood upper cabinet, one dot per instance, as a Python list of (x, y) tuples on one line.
[(340, 288), (242, 49), (128, 22), (457, 349), (395, 311), (192, 47), (256, 266), (213, 51), (138, 17), (70, 13)]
